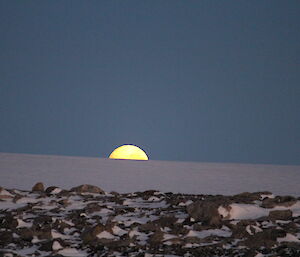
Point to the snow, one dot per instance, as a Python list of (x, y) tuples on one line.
[(56, 246), (4, 192), (24, 170), (105, 235), (256, 229), (72, 252), (253, 211), (56, 234), (224, 232), (118, 231), (23, 224), (259, 255), (288, 238), (169, 236), (56, 191), (142, 237)]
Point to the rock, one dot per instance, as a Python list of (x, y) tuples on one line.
[(25, 234), (149, 227), (248, 198), (4, 194), (267, 238), (64, 202), (38, 187), (90, 234), (166, 221), (285, 201), (5, 239), (93, 207), (156, 238), (280, 215), (87, 189), (50, 189), (205, 211), (52, 245)]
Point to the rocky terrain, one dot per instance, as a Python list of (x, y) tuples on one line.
[(86, 221)]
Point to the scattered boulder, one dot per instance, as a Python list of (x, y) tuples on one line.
[(4, 194), (85, 220), (156, 238), (285, 201), (266, 238), (87, 189), (280, 215), (52, 189), (205, 211), (90, 234), (38, 187)]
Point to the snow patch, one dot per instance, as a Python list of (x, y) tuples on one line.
[(288, 238)]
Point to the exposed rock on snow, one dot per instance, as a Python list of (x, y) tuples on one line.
[(38, 187), (87, 189), (85, 221)]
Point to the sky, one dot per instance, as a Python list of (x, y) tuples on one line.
[(203, 81)]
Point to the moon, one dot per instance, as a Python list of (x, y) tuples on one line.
[(129, 152)]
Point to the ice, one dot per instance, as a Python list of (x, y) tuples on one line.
[(133, 176)]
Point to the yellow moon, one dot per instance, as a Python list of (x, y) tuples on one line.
[(128, 152)]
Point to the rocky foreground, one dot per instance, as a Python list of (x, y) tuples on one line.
[(86, 221)]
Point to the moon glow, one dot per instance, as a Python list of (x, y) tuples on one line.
[(129, 152)]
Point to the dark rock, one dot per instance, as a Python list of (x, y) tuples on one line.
[(280, 215), (42, 220), (156, 238), (5, 238), (25, 234), (38, 187), (48, 245), (93, 207), (90, 234), (4, 195), (64, 202), (166, 221), (267, 238), (87, 189), (205, 211), (50, 189), (42, 232), (149, 227), (285, 201), (247, 197)]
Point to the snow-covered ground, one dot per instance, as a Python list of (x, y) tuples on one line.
[(23, 170)]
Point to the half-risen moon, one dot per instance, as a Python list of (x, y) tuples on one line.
[(129, 152)]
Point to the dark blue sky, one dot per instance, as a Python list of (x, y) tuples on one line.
[(209, 81)]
